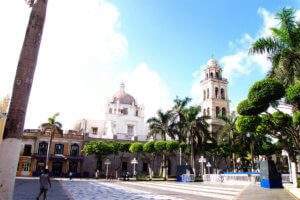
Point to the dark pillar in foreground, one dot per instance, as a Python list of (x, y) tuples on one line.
[(269, 177)]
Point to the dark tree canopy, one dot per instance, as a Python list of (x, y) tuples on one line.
[(265, 92), (293, 95), (98, 148), (246, 108), (281, 120), (296, 119), (246, 124)]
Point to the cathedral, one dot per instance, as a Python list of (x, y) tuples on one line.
[(124, 120)]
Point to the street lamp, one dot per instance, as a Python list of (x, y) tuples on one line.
[(107, 162), (202, 160), (134, 162), (208, 166)]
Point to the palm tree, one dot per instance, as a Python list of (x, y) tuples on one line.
[(161, 126), (12, 137), (196, 129), (283, 48), (180, 105), (53, 126), (230, 133)]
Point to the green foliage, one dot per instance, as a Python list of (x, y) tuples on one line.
[(281, 120), (149, 147), (293, 95), (172, 146), (136, 147), (246, 108), (98, 148), (124, 146), (160, 146), (265, 92), (246, 124), (183, 146), (115, 146), (296, 118)]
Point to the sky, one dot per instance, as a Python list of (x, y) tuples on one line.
[(157, 48)]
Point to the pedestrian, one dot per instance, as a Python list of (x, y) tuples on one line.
[(70, 175), (44, 184)]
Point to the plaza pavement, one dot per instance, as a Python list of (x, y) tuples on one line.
[(145, 190)]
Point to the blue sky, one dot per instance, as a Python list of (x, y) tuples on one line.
[(158, 48)]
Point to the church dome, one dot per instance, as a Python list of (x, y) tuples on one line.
[(212, 62), (123, 97)]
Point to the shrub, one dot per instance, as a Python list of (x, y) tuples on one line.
[(293, 95), (149, 147), (265, 92), (281, 119), (246, 108), (160, 146), (136, 147), (246, 124), (172, 146)]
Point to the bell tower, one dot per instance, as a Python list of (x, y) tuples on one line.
[(214, 100)]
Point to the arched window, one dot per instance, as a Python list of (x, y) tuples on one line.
[(204, 112), (224, 111), (74, 150), (208, 113), (217, 111), (211, 75), (204, 95), (217, 92), (207, 76), (217, 74), (207, 93), (222, 94)]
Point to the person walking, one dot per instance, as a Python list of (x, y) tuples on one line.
[(70, 175), (111, 175), (44, 184)]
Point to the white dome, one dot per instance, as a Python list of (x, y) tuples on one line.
[(213, 63)]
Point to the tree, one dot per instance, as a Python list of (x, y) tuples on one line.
[(282, 48), (160, 146), (54, 127), (115, 146), (180, 105), (196, 129), (98, 149), (10, 147), (293, 96), (230, 133), (150, 149)]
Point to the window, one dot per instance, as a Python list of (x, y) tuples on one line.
[(124, 166), (43, 148), (74, 150), (124, 111), (27, 150), (204, 95), (94, 130), (110, 111), (217, 92), (137, 113), (207, 93), (207, 76), (145, 167), (59, 149), (204, 112), (224, 111), (217, 74), (129, 129), (208, 112), (222, 94), (217, 111), (211, 75)]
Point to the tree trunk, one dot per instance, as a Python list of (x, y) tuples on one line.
[(49, 149), (251, 151), (12, 137), (180, 156), (164, 166), (192, 155), (234, 162)]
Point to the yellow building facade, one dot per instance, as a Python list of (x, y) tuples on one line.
[(3, 112)]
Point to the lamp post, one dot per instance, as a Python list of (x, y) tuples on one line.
[(208, 166), (202, 160), (134, 162), (107, 162)]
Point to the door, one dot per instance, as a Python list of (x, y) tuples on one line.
[(56, 168), (25, 171)]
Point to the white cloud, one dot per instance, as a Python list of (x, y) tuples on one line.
[(297, 14), (196, 92), (75, 67), (240, 62)]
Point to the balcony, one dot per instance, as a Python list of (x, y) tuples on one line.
[(214, 78), (59, 157)]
